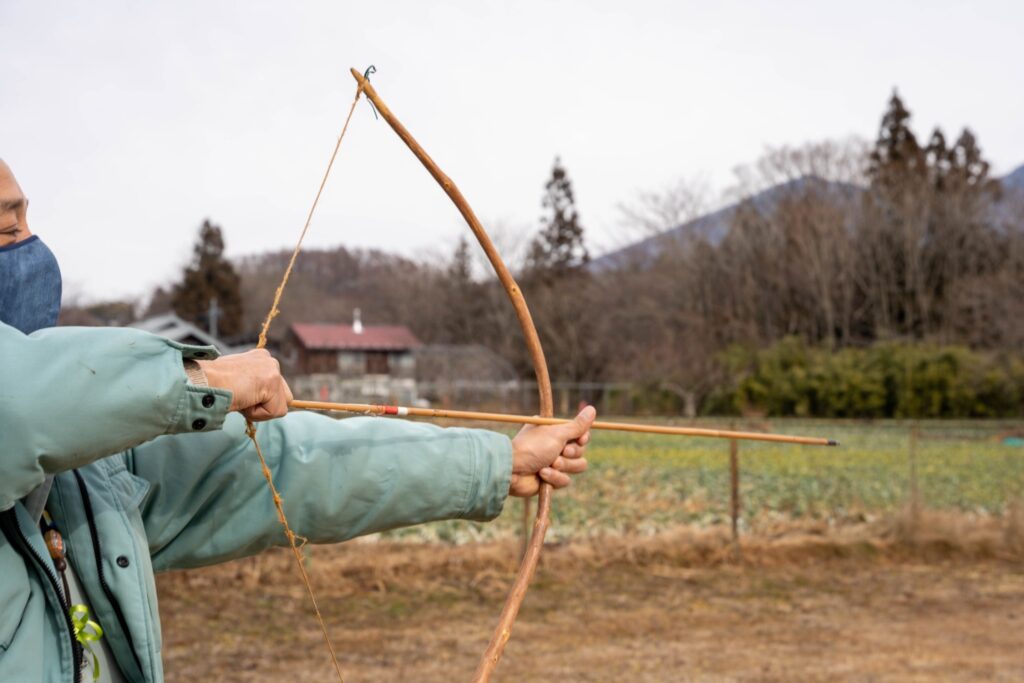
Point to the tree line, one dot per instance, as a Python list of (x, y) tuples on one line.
[(897, 242), (837, 247)]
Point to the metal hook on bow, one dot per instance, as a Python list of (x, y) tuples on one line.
[(366, 74)]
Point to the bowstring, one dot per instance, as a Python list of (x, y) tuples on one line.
[(250, 428)]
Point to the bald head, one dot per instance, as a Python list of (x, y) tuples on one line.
[(13, 208)]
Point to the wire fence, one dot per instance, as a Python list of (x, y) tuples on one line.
[(970, 468), (642, 484)]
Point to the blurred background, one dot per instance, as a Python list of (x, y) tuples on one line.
[(803, 218)]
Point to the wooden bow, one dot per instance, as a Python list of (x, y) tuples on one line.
[(503, 630)]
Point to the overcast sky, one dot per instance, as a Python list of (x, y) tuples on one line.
[(129, 122)]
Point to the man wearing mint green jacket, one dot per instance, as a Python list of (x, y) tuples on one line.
[(129, 448)]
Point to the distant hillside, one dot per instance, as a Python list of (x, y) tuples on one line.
[(714, 226), (1014, 180), (1010, 206)]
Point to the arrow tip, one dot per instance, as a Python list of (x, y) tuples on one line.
[(832, 442)]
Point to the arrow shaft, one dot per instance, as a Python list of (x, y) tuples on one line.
[(402, 411)]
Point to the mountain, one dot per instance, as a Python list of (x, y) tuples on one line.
[(1014, 180), (1009, 208), (714, 226)]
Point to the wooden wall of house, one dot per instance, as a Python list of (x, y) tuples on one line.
[(358, 363)]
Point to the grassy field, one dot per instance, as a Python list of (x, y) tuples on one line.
[(641, 582), (641, 484), (800, 605)]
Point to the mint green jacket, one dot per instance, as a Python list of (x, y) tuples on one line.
[(152, 473)]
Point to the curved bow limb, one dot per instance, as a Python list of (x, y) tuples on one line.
[(503, 631)]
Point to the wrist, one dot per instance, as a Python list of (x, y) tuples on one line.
[(214, 377), (195, 373)]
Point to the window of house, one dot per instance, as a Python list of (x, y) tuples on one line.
[(377, 363)]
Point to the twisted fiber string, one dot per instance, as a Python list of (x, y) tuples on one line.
[(274, 310), (250, 428)]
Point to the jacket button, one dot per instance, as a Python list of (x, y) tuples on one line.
[(208, 401), (122, 561), (198, 424)]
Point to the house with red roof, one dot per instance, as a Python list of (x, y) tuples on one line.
[(356, 362), (352, 350)]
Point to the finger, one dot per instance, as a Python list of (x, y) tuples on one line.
[(287, 390), (574, 466), (557, 479), (584, 440), (579, 425), (525, 486), (573, 450), (277, 406), (256, 413), (526, 428)]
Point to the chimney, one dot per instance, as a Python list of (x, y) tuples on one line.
[(357, 323)]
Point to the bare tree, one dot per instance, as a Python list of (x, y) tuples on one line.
[(651, 213)]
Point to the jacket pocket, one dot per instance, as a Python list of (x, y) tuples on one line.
[(14, 592), (129, 489)]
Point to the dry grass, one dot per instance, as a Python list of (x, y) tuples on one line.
[(939, 599)]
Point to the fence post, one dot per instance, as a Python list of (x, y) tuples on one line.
[(734, 489), (915, 494)]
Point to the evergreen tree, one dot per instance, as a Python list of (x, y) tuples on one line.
[(209, 276), (462, 313), (958, 168), (897, 156), (460, 269), (561, 291), (937, 158), (968, 167), (559, 247), (926, 227)]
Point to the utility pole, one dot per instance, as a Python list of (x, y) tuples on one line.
[(214, 316)]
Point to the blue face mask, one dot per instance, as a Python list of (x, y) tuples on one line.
[(30, 285)]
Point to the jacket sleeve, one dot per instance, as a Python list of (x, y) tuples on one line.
[(209, 502), (71, 395)]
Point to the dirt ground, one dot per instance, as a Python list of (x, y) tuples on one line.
[(800, 604)]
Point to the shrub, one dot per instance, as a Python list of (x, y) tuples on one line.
[(885, 380)]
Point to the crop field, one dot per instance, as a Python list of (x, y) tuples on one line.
[(642, 484), (640, 580)]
